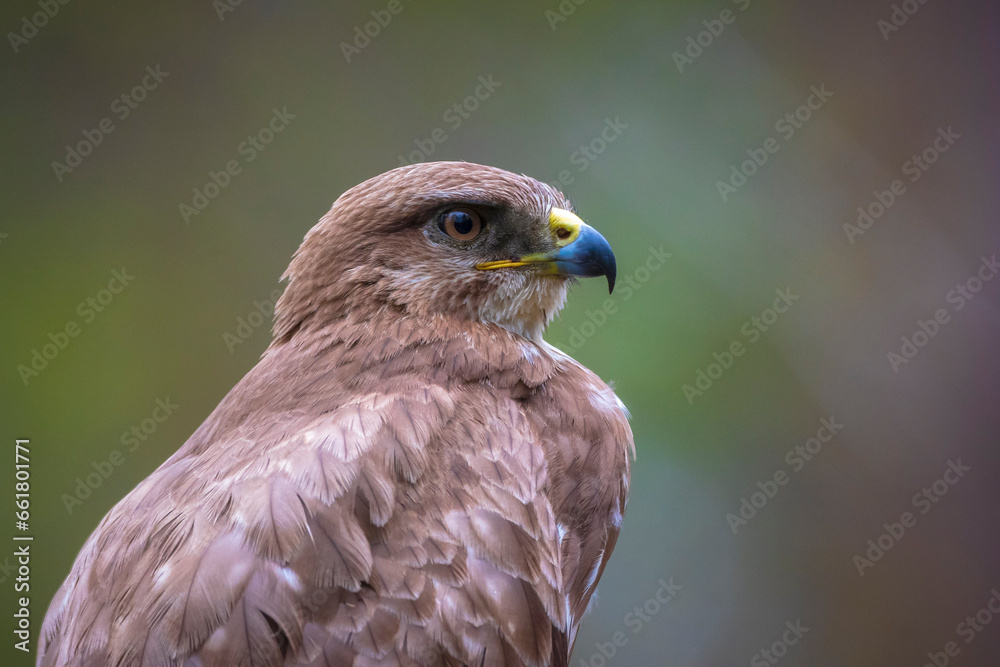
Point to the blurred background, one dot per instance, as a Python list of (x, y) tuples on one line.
[(724, 149)]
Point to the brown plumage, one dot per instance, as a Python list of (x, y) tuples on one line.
[(409, 476)]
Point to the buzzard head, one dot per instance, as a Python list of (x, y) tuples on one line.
[(444, 239)]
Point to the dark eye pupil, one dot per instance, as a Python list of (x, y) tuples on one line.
[(462, 222)]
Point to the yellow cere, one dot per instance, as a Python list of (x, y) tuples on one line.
[(565, 226)]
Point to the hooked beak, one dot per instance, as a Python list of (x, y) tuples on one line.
[(580, 251)]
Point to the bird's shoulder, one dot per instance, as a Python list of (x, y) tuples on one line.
[(372, 484)]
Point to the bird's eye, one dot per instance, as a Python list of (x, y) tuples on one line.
[(461, 224)]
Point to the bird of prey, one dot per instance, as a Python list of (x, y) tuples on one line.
[(409, 476)]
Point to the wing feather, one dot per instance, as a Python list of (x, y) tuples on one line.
[(410, 502)]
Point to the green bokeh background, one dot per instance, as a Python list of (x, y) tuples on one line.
[(653, 186)]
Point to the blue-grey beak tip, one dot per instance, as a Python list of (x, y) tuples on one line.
[(589, 255)]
